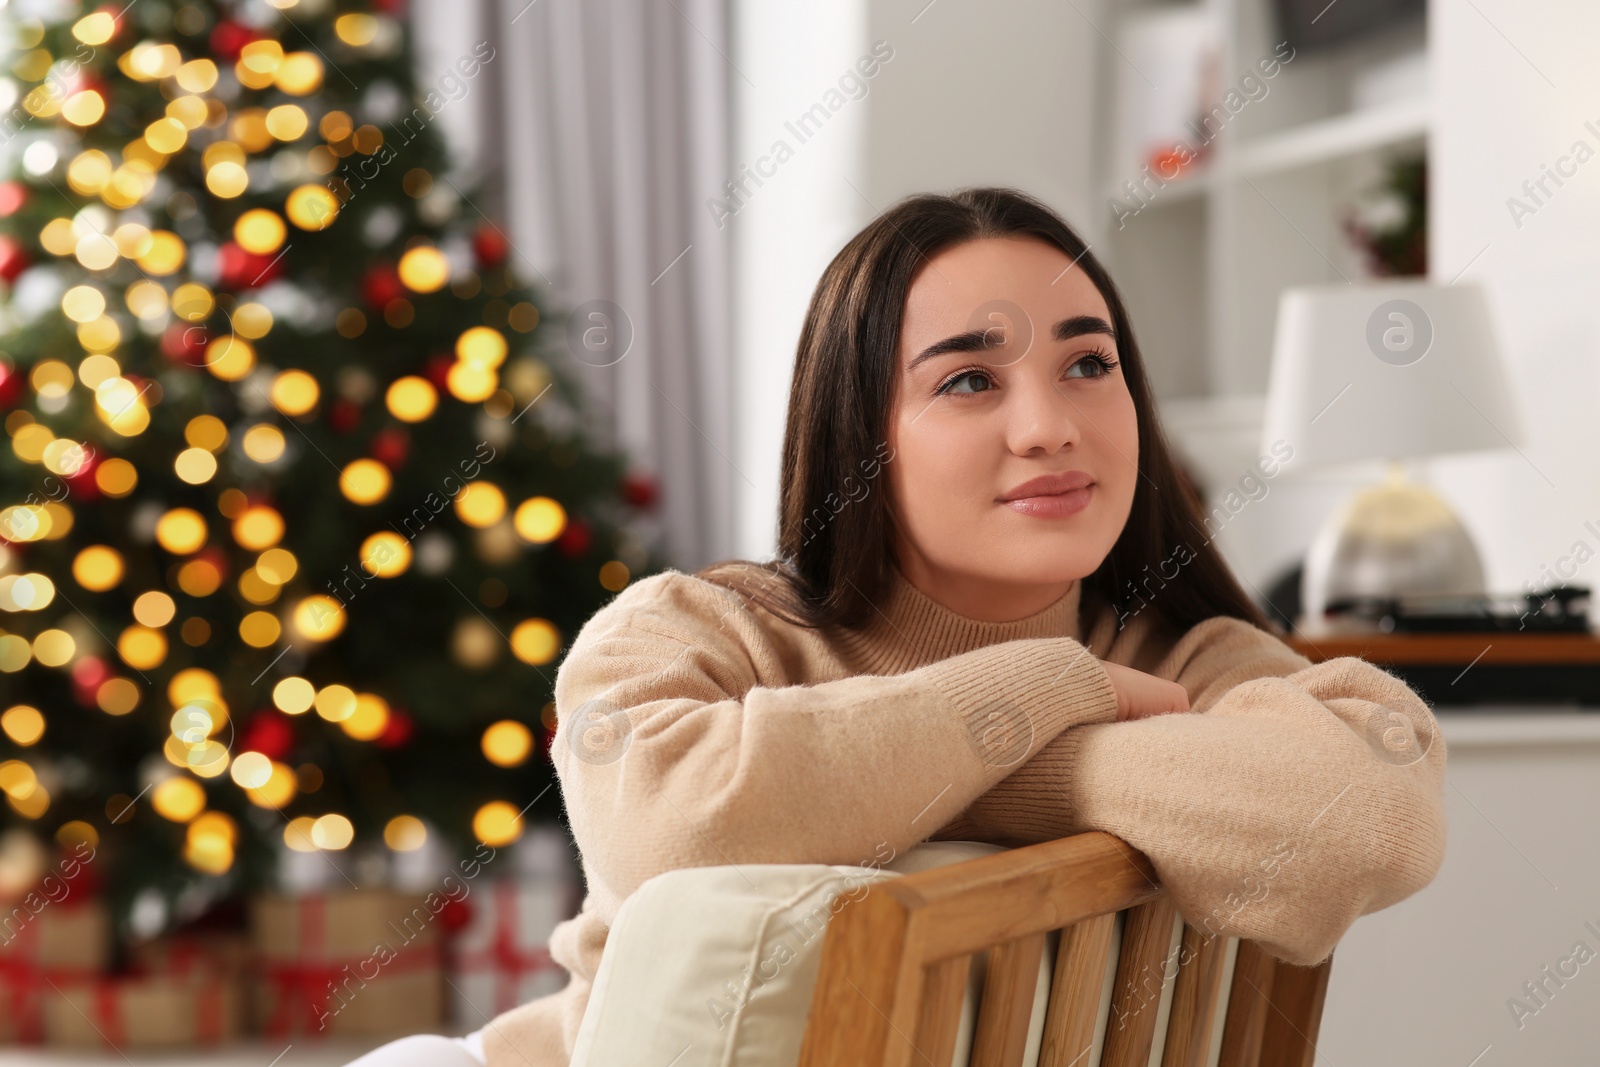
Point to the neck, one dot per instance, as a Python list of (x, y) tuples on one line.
[(909, 628), (982, 599)]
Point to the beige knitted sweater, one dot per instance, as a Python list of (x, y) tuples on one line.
[(695, 729)]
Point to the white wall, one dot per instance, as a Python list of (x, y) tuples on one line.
[(1516, 84), (787, 227), (999, 93)]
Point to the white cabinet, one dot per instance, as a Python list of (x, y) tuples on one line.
[(1435, 980)]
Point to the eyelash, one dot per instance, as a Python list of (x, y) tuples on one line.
[(1107, 364)]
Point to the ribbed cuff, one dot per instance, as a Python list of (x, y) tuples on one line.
[(1034, 798), (1017, 695), (1029, 805)]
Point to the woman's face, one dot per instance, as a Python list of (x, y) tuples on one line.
[(1007, 373)]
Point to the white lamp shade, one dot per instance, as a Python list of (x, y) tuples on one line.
[(1387, 370)]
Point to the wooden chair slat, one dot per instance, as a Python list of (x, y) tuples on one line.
[(944, 986), (1009, 983), (1075, 991), (1247, 1007), (1194, 999), (868, 994), (1297, 997), (1141, 974)]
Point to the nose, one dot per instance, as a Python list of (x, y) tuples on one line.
[(1039, 417)]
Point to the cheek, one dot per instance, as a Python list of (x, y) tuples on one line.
[(1130, 429), (1124, 431), (1118, 423), (933, 457), (1110, 426), (932, 474)]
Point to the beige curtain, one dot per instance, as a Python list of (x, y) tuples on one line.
[(598, 131)]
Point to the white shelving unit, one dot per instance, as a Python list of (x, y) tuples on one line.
[(1330, 139), (1203, 260)]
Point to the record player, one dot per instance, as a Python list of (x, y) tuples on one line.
[(1492, 650), (1561, 610)]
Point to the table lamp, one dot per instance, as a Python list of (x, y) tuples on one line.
[(1387, 370)]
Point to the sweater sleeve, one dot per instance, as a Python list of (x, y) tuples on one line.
[(671, 754), (1295, 798)]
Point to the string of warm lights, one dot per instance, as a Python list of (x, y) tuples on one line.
[(237, 116)]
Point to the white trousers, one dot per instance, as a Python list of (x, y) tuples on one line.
[(427, 1050)]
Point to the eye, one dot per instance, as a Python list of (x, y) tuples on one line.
[(1100, 362), (949, 383)]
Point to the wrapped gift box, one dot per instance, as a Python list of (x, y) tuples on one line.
[(43, 942), (193, 954), (145, 1011), (202, 956), (360, 962), (500, 958)]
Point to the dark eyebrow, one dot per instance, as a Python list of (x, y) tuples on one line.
[(1078, 325), (978, 340)]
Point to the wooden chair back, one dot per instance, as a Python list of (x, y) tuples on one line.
[(895, 966)]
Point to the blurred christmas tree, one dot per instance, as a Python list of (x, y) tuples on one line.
[(298, 512)]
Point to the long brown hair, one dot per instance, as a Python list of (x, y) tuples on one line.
[(835, 549)]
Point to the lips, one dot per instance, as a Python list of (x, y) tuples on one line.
[(1049, 485), (1052, 505)]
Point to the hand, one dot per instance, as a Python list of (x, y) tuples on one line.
[(1141, 695)]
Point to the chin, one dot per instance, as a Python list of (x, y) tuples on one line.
[(1061, 557), (1041, 563)]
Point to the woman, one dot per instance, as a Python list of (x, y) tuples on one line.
[(995, 615)]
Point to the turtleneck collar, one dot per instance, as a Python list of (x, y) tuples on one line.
[(908, 628)]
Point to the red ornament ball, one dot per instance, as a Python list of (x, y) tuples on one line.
[(185, 344), (437, 371), (228, 39), (13, 196), (398, 730), (82, 481), (90, 671), (239, 269), (344, 416), (575, 539), (10, 384), (381, 284), (268, 732), (391, 447), (87, 674), (489, 245), (217, 558), (13, 259), (640, 489)]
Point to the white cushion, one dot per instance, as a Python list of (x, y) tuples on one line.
[(688, 942)]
